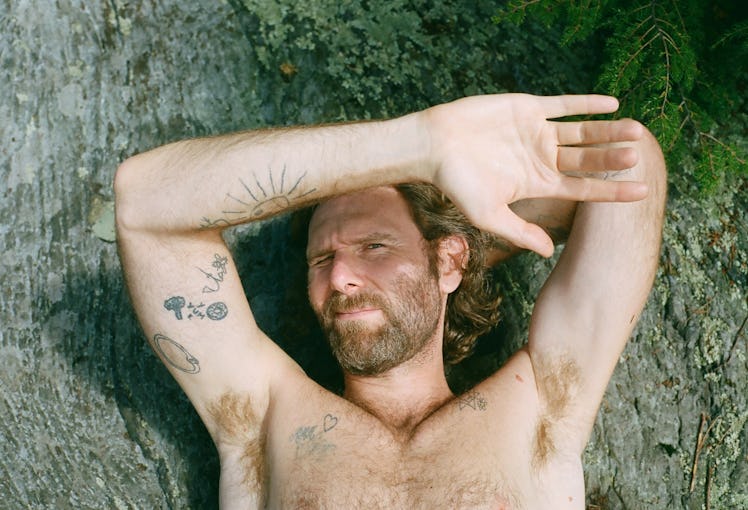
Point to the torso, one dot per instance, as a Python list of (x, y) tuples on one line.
[(478, 451)]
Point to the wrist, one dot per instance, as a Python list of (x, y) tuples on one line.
[(413, 137)]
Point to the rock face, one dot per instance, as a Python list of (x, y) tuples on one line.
[(90, 418)]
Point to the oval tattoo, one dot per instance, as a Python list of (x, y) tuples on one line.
[(217, 311), (176, 355)]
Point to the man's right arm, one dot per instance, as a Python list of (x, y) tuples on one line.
[(172, 204), (215, 182)]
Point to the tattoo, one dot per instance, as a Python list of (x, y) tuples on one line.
[(260, 199), (219, 264), (175, 304), (311, 440), (473, 400), (176, 355), (215, 311), (208, 223), (330, 422)]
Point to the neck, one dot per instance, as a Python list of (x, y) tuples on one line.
[(406, 395)]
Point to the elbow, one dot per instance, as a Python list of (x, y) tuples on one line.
[(653, 161), (126, 203), (650, 164)]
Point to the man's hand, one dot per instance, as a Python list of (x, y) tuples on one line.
[(491, 151)]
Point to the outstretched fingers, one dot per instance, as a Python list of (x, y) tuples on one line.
[(588, 104), (598, 131), (585, 189), (594, 159)]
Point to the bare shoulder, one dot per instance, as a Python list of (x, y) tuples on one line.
[(516, 376), (503, 410)]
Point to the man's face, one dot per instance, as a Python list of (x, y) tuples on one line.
[(370, 281)]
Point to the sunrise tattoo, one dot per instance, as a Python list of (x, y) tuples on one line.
[(311, 440), (176, 355), (260, 196)]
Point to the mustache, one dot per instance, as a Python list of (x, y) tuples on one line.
[(340, 303)]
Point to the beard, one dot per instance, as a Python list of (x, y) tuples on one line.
[(411, 319)]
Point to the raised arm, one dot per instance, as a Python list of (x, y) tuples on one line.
[(201, 184), (172, 204), (590, 304)]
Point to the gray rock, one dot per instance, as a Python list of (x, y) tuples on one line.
[(90, 418)]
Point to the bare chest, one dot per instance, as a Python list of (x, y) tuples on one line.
[(320, 451), (328, 465), (383, 491)]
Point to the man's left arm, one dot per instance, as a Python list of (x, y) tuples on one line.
[(591, 302)]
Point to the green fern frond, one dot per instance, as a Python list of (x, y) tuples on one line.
[(584, 18), (516, 11), (734, 34)]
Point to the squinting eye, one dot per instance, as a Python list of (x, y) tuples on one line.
[(374, 246), (321, 261)]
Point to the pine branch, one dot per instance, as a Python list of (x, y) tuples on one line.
[(652, 61)]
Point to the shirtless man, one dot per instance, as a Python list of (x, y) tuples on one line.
[(398, 437)]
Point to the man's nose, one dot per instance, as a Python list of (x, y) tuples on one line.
[(345, 275)]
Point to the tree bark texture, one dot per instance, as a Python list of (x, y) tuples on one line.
[(88, 416)]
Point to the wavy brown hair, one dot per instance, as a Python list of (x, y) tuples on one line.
[(473, 308)]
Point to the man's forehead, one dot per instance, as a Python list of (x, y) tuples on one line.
[(359, 200), (384, 207)]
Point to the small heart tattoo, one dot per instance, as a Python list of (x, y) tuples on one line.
[(330, 422)]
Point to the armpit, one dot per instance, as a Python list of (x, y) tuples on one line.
[(558, 384), (240, 433)]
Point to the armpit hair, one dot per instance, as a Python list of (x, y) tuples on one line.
[(558, 382), (239, 429)]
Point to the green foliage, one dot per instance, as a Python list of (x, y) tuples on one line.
[(677, 65), (326, 61), (366, 59)]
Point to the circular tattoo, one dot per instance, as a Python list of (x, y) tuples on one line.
[(176, 355), (217, 311)]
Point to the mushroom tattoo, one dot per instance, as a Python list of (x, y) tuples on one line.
[(175, 304)]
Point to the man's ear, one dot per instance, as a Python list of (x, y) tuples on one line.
[(453, 255)]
